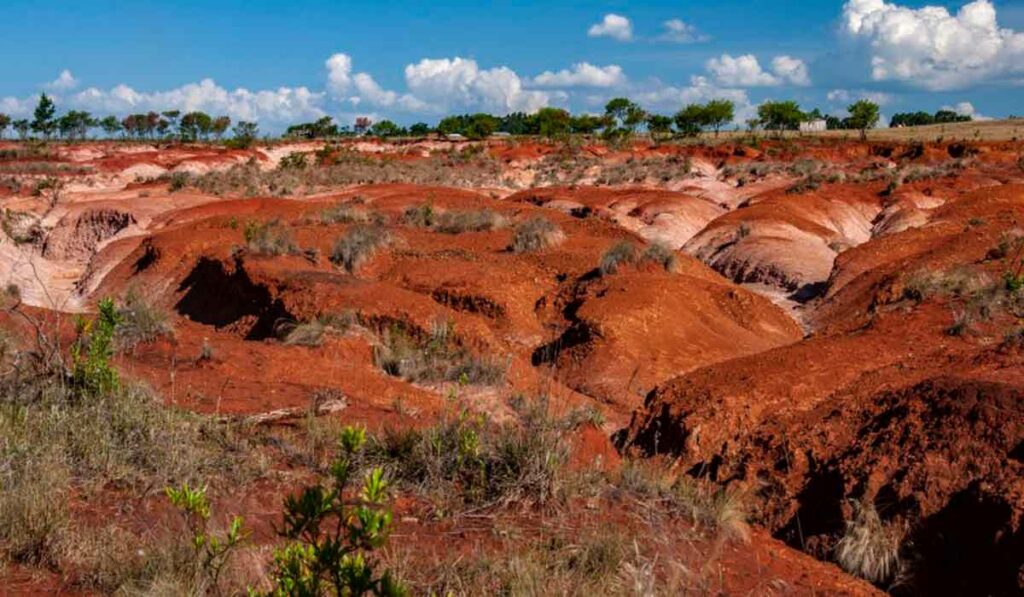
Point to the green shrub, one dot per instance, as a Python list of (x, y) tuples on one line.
[(293, 161), (463, 461), (535, 234), (358, 245), (178, 181), (211, 551), (331, 540), (420, 216), (269, 238), (93, 348)]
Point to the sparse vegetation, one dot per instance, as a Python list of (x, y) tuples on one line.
[(358, 245), (626, 253), (77, 428), (269, 238), (535, 234), (139, 322), (457, 222), (870, 548), (437, 357)]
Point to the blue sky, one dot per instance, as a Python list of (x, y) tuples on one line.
[(285, 62)]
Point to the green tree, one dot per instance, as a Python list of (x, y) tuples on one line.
[(622, 117), (43, 118), (481, 126), (172, 117), (659, 126), (196, 124), (553, 122), (420, 129), (386, 128), (864, 115), (110, 125), (690, 120), (585, 124), (220, 126), (21, 126), (5, 121), (718, 113), (780, 116), (244, 134)]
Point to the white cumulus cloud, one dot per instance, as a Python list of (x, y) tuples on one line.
[(966, 109), (64, 82), (847, 96), (931, 48), (746, 71), (282, 105), (669, 98), (583, 74), (614, 26), (446, 83), (679, 32)]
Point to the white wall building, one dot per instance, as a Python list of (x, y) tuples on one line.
[(814, 126)]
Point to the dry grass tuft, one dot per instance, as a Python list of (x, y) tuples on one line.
[(358, 245), (536, 234), (870, 548)]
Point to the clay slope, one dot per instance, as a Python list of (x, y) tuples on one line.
[(893, 404)]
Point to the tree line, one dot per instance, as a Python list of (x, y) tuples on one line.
[(168, 125), (621, 119)]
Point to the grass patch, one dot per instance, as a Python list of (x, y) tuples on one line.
[(457, 222), (626, 253), (536, 234), (438, 357), (464, 462), (140, 322), (358, 245), (269, 238), (870, 548)]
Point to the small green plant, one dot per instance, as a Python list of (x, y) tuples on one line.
[(331, 539), (535, 234), (293, 161), (1011, 251), (93, 348), (178, 181), (420, 216), (211, 552)]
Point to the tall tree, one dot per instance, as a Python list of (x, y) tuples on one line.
[(245, 134), (43, 118), (110, 125), (172, 117), (689, 120), (780, 116), (5, 121), (220, 126), (718, 113), (659, 126), (553, 122), (22, 126), (864, 115)]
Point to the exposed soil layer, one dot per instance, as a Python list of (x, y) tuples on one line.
[(826, 326)]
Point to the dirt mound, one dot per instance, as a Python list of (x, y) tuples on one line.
[(76, 236)]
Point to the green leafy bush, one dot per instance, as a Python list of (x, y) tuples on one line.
[(331, 540)]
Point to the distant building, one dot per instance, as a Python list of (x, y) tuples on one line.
[(501, 134), (454, 137), (814, 126)]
